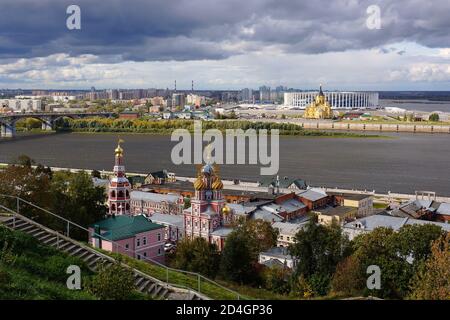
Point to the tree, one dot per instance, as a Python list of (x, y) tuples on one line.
[(414, 241), (261, 233), (276, 279), (112, 283), (379, 248), (432, 281), (75, 197), (434, 117), (95, 174), (197, 255), (348, 280), (238, 261), (318, 250)]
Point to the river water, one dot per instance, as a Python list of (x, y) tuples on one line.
[(404, 164)]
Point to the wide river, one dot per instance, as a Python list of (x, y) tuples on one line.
[(404, 164)]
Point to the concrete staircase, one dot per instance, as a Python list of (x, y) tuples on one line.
[(143, 282)]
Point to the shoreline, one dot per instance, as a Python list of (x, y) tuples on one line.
[(253, 186)]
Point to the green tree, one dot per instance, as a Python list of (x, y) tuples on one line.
[(318, 250), (434, 117), (261, 234), (197, 255), (378, 248), (432, 281), (276, 279), (414, 241), (112, 283), (238, 261), (348, 280)]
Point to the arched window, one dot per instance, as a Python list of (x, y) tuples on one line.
[(113, 207), (127, 193), (113, 194), (120, 194)]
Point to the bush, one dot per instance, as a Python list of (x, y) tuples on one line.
[(112, 283)]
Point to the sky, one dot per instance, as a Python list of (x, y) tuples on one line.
[(226, 44)]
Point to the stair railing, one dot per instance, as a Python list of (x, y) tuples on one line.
[(198, 278)]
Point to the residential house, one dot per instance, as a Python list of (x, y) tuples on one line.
[(287, 232), (277, 256), (314, 198), (368, 224), (363, 202), (160, 177), (134, 236), (338, 214)]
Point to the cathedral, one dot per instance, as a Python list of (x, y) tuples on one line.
[(119, 186), (208, 217), (319, 108)]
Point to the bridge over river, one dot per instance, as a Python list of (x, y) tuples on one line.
[(48, 119)]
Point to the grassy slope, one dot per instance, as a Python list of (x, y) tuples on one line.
[(37, 272)]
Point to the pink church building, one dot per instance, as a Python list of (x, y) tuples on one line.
[(135, 236), (208, 217)]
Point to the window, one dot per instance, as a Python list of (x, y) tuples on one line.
[(159, 251), (120, 194), (159, 236), (127, 246), (138, 242), (144, 241), (139, 257), (145, 254), (113, 194)]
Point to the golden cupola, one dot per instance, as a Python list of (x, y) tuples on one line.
[(119, 151), (199, 183), (217, 184), (226, 210)]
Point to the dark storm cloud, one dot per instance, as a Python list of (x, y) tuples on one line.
[(146, 30)]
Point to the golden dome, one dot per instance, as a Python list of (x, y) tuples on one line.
[(119, 151), (199, 184), (217, 184), (226, 210)]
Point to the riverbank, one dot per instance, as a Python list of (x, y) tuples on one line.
[(166, 127), (253, 186), (365, 126)]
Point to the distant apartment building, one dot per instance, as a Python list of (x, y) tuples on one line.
[(195, 100), (22, 105), (264, 94), (178, 100), (246, 95)]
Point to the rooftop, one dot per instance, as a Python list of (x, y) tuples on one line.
[(176, 220), (312, 194), (340, 211), (123, 227), (372, 222), (155, 197), (350, 196), (288, 228)]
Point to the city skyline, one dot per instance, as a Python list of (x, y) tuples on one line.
[(149, 44)]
